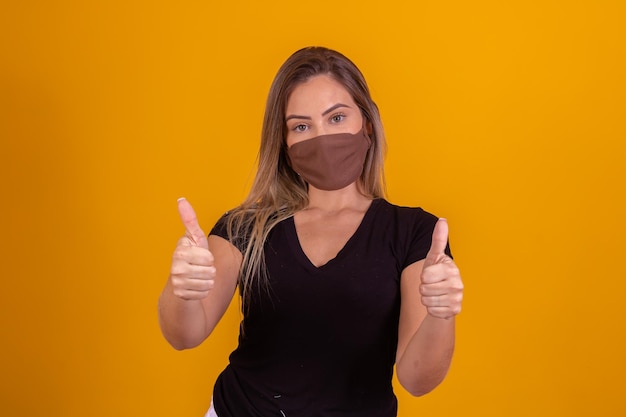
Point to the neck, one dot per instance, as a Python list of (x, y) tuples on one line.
[(347, 198)]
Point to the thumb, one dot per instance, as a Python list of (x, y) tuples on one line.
[(192, 227), (439, 242)]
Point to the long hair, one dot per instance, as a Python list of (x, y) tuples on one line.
[(277, 191)]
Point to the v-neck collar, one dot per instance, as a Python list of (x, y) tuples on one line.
[(303, 259)]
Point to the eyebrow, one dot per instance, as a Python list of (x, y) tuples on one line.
[(336, 106)]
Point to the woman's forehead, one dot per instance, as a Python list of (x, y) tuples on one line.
[(319, 92)]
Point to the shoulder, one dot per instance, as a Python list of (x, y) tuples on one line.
[(221, 225), (409, 228), (235, 226), (405, 215), (241, 226)]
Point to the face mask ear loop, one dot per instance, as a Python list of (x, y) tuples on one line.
[(284, 150), (366, 133)]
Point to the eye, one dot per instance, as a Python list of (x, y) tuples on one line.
[(338, 117), (299, 128)]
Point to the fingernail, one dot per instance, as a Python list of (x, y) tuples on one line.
[(181, 199)]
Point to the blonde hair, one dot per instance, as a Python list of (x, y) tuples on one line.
[(277, 191)]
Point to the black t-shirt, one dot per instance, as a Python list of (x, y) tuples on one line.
[(321, 341)]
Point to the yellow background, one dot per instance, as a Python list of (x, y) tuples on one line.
[(507, 117)]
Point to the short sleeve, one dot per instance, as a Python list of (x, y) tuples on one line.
[(221, 229), (420, 225)]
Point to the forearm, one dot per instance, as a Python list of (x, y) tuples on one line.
[(183, 322), (428, 355)]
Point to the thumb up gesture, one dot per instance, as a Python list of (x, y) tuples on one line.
[(441, 288), (192, 272)]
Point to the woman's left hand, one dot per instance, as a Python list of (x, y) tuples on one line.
[(442, 287)]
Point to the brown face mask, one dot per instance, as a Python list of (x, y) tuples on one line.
[(330, 162)]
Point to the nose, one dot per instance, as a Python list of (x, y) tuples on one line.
[(321, 129)]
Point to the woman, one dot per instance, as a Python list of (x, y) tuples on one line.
[(338, 285)]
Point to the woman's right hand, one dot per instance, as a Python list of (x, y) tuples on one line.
[(192, 274)]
